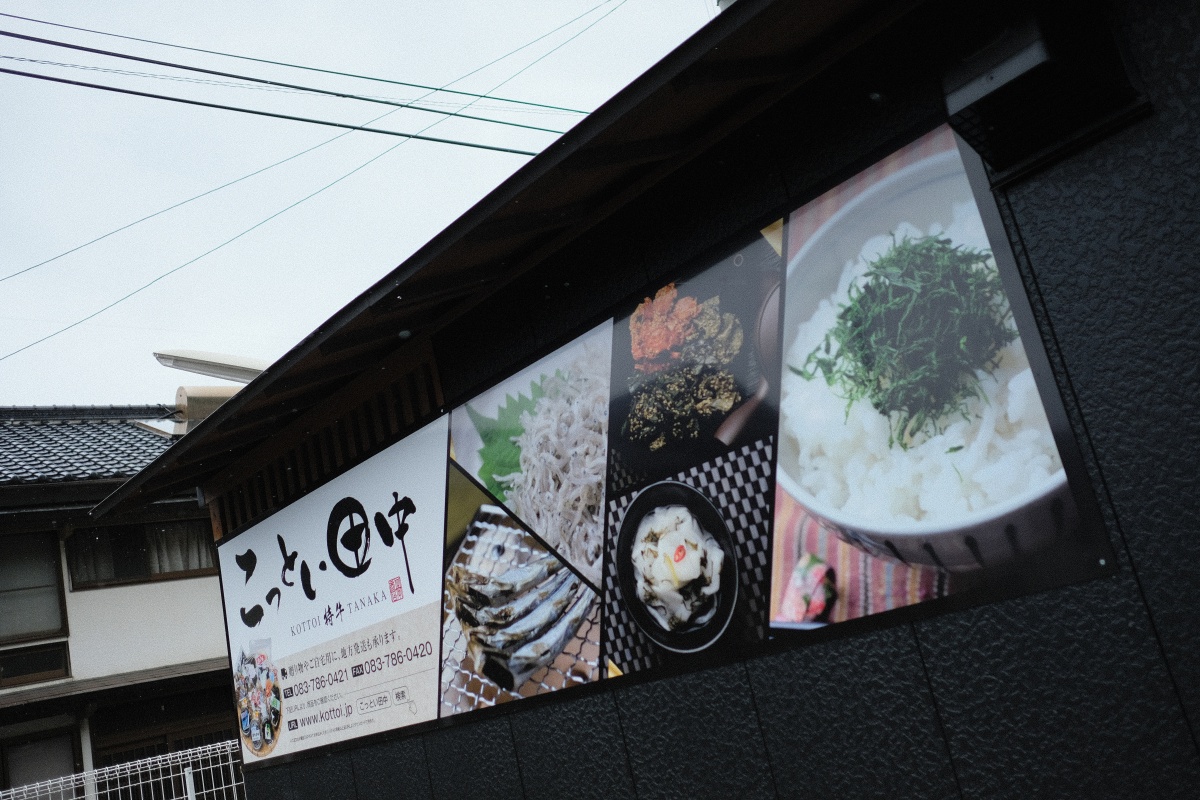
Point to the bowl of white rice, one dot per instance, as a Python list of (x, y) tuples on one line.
[(982, 486)]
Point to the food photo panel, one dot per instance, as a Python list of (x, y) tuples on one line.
[(538, 443), (695, 377), (916, 459), (516, 620)]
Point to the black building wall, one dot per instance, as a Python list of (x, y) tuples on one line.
[(1091, 691)]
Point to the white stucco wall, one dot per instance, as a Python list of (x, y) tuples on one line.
[(144, 625)]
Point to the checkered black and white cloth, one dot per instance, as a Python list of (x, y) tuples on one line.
[(739, 485)]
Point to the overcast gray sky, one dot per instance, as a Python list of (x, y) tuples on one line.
[(78, 163)]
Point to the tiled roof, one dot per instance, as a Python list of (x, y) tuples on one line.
[(57, 450)]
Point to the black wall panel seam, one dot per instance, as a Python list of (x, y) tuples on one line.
[(625, 744), (761, 734), (1084, 437), (353, 774), (512, 735), (428, 766), (937, 710)]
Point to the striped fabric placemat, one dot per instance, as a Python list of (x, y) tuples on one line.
[(865, 584)]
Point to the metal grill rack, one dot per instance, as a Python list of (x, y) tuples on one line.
[(491, 547), (208, 772)]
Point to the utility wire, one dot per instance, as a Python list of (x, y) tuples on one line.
[(189, 200), (259, 224), (236, 85), (530, 43), (264, 81), (328, 71), (129, 73), (432, 90), (272, 114), (172, 271), (540, 58)]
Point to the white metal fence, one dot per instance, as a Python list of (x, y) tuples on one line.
[(209, 772)]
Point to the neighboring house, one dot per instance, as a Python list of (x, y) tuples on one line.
[(112, 645)]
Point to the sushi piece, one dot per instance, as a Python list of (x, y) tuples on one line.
[(811, 591)]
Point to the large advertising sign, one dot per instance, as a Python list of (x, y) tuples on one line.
[(838, 416), (333, 604)]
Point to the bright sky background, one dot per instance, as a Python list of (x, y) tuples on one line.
[(77, 163)]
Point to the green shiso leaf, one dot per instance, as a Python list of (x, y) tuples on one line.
[(500, 454), (927, 319)]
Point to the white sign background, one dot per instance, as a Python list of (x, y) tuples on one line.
[(290, 622)]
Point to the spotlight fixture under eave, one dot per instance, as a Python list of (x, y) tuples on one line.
[(239, 369)]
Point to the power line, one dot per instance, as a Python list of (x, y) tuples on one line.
[(272, 114), (183, 203), (154, 75), (264, 81), (540, 58), (209, 252), (259, 224), (329, 71), (236, 85), (569, 22), (247, 176)]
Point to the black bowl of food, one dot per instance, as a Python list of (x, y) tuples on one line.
[(676, 566)]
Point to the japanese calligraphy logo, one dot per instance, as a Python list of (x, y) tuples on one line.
[(349, 533), (348, 544)]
